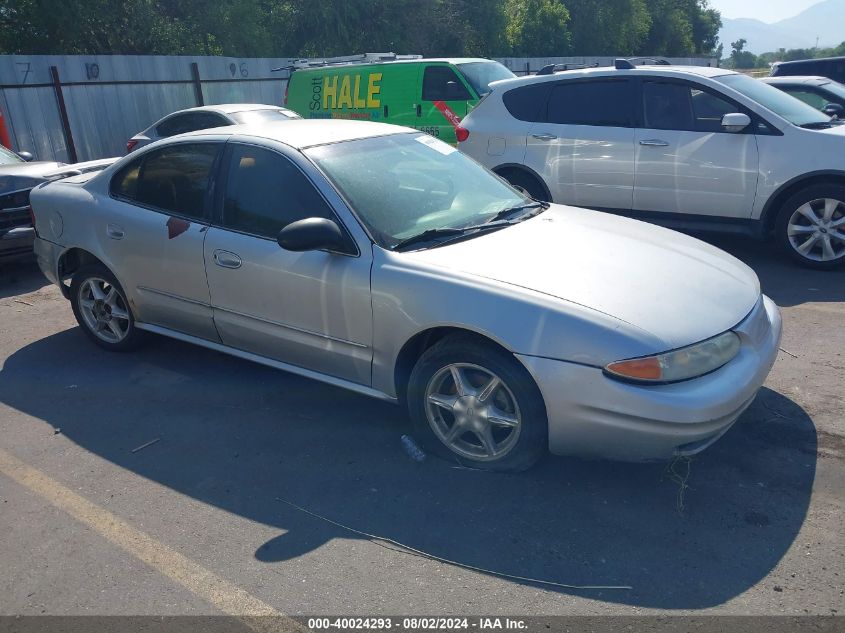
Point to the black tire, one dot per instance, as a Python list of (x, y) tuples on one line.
[(133, 335), (528, 184), (813, 195), (519, 397)]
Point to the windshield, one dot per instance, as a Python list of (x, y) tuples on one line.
[(404, 184), (8, 157), (793, 110), (264, 116), (835, 88), (481, 74)]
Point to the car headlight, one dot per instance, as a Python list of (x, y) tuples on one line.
[(680, 364)]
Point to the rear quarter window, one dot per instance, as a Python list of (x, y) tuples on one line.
[(528, 103)]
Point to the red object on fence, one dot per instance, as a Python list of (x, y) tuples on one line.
[(4, 133)]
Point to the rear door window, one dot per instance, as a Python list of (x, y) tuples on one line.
[(608, 103), (172, 179), (440, 83), (265, 192)]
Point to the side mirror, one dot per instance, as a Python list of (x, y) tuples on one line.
[(312, 234), (25, 156), (834, 110), (735, 122)]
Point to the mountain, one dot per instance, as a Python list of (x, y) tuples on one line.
[(823, 21)]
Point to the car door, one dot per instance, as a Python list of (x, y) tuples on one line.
[(443, 102), (583, 144), (153, 235), (309, 309), (685, 161)]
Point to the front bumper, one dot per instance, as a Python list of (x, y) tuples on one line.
[(16, 242), (591, 415)]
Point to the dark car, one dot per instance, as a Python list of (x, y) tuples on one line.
[(819, 92), (830, 67), (18, 175)]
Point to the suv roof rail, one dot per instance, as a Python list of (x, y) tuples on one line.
[(551, 69), (346, 60), (627, 63)]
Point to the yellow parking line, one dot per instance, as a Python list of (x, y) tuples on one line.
[(195, 578)]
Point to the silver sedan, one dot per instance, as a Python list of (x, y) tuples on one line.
[(382, 260)]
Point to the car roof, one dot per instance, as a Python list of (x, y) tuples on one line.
[(395, 62), (809, 61), (304, 133), (661, 70), (797, 79), (230, 108)]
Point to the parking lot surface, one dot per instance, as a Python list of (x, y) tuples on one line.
[(176, 480)]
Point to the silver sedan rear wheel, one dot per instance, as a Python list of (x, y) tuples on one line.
[(473, 412), (104, 310), (816, 230)]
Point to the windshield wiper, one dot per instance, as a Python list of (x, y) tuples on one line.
[(449, 232), (817, 125), (505, 214), (428, 235)]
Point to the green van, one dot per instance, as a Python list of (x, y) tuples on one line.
[(431, 95)]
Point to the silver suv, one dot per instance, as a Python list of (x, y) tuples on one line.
[(688, 147)]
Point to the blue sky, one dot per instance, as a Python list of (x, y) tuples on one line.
[(765, 10)]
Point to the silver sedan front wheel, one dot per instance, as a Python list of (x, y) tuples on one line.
[(472, 402), (473, 412), (104, 310)]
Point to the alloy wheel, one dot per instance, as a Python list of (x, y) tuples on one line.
[(104, 310), (816, 230), (473, 412)]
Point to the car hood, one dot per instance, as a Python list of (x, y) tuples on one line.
[(672, 286), (25, 175)]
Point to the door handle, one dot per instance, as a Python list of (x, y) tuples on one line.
[(654, 142), (544, 137), (114, 231), (419, 109), (227, 259)]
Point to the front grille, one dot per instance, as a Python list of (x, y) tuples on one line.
[(19, 216), (14, 219)]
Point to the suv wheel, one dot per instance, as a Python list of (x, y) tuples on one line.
[(475, 404), (527, 184), (101, 309), (811, 226)]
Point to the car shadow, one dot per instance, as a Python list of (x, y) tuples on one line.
[(20, 276), (786, 282), (241, 437)]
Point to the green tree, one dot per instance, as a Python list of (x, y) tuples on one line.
[(740, 58), (537, 28), (608, 27)]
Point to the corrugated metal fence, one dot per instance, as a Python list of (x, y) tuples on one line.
[(77, 107)]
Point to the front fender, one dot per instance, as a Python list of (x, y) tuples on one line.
[(411, 298)]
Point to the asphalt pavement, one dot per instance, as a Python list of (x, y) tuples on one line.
[(176, 480)]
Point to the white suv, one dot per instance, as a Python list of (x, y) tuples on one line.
[(688, 147)]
